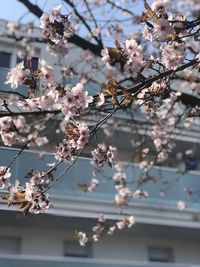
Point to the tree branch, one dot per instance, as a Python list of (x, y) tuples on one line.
[(75, 39)]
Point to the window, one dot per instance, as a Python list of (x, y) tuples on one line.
[(5, 60), (72, 248), (34, 62), (160, 254), (10, 245)]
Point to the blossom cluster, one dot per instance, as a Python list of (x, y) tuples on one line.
[(8, 132), (172, 55), (71, 101), (134, 55), (31, 197), (159, 27), (162, 30), (83, 239), (129, 57), (166, 120), (146, 95), (123, 194), (63, 151), (102, 227), (13, 130), (75, 101), (17, 75), (77, 137), (103, 154), (4, 177), (56, 27)]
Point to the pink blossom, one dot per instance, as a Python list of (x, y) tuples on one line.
[(6, 124), (17, 75), (173, 55), (159, 4), (63, 151), (84, 134), (111, 230), (162, 29), (4, 177), (138, 194), (55, 26), (38, 201), (134, 55), (120, 200), (93, 184), (181, 205), (106, 57), (47, 71), (36, 140), (11, 138), (12, 27), (118, 176), (75, 101), (101, 100), (126, 223), (83, 239), (82, 100), (103, 154)]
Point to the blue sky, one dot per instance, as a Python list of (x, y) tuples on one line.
[(13, 10)]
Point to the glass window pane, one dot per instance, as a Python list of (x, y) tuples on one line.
[(72, 248), (5, 60), (160, 254)]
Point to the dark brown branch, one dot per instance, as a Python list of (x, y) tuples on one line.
[(34, 9), (120, 8), (86, 45), (75, 39), (186, 99), (82, 19), (36, 113), (96, 49), (12, 92)]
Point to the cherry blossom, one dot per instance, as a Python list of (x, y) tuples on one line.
[(181, 205), (162, 29), (12, 27), (83, 239), (159, 4), (106, 57), (125, 223), (75, 101), (55, 26), (4, 177), (173, 55), (17, 75), (130, 58), (63, 151), (47, 71)]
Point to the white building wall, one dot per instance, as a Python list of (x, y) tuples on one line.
[(48, 242), (127, 248)]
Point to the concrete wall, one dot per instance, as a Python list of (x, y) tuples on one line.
[(49, 242)]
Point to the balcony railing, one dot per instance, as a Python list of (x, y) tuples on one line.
[(32, 261), (168, 179)]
